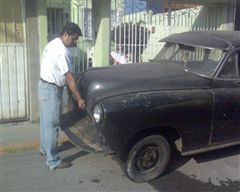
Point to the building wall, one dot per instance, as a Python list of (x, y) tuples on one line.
[(11, 21)]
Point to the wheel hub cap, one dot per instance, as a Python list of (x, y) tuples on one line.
[(147, 158)]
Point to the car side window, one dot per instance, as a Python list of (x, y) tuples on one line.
[(231, 68)]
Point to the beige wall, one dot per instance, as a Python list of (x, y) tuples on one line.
[(11, 21)]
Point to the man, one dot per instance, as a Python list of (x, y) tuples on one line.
[(56, 71)]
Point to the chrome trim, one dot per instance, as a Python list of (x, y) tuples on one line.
[(211, 148)]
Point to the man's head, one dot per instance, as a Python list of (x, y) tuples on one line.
[(70, 34)]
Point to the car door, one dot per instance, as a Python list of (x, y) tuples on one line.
[(226, 117)]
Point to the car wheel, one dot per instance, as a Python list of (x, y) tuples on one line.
[(147, 159)]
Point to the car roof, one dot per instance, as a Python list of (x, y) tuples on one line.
[(209, 39)]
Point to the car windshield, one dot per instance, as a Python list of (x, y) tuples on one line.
[(191, 58)]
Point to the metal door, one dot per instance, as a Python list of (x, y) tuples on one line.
[(13, 65)]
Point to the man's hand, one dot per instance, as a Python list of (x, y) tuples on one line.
[(81, 104)]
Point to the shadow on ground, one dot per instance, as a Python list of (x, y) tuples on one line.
[(184, 183), (71, 158), (67, 146)]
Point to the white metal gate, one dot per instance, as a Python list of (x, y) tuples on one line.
[(13, 68), (136, 35)]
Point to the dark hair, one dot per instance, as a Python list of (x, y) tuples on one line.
[(71, 29)]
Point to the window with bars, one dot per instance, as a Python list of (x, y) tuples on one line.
[(87, 26), (56, 19)]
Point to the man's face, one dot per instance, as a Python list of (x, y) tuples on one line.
[(69, 40)]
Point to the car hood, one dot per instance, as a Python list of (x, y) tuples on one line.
[(100, 83)]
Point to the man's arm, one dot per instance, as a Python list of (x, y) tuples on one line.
[(73, 88)]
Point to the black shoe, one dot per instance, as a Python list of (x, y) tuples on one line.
[(42, 153), (62, 165)]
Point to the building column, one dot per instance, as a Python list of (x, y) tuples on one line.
[(36, 34), (42, 25), (101, 11)]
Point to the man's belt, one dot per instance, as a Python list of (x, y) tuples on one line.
[(50, 83)]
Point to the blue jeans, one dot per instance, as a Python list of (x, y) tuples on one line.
[(50, 102)]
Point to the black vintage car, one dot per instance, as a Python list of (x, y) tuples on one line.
[(187, 97)]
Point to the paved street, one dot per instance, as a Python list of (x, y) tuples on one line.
[(25, 171)]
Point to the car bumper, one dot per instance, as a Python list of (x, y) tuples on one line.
[(81, 131)]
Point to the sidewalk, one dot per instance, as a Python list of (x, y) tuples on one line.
[(21, 136), (18, 136)]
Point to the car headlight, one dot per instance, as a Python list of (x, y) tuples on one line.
[(98, 113)]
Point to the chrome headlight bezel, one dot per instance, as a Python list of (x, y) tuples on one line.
[(98, 113)]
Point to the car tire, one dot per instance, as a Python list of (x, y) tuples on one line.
[(147, 159)]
